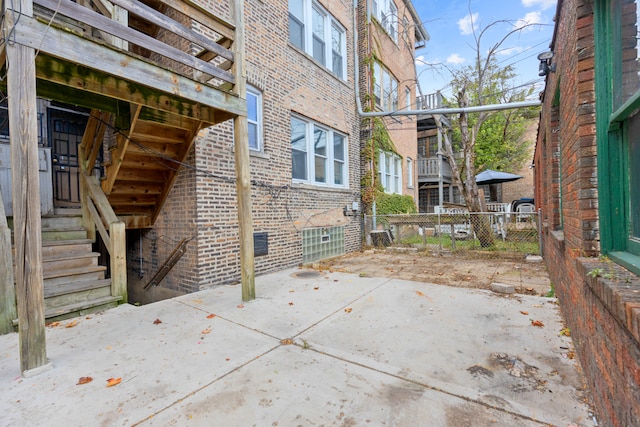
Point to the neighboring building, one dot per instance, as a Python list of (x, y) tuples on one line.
[(390, 32), (435, 177), (587, 176)]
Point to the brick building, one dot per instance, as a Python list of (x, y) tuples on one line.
[(304, 142), (586, 177), (390, 32)]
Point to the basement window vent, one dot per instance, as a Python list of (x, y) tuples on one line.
[(260, 244), (321, 243)]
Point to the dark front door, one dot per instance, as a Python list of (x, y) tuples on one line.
[(65, 134)]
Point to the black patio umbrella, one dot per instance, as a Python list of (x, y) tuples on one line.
[(495, 177)]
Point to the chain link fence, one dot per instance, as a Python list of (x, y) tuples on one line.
[(456, 231)]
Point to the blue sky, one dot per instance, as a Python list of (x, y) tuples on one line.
[(449, 23)]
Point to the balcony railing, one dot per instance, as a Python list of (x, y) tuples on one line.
[(429, 168), (430, 101)]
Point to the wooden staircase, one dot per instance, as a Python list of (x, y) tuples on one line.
[(74, 282)]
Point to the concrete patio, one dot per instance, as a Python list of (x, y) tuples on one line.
[(314, 348)]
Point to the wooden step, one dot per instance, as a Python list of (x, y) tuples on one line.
[(81, 308), (76, 292), (78, 309), (68, 261), (62, 247), (64, 233), (55, 278)]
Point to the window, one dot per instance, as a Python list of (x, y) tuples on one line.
[(386, 12), (322, 148), (313, 30), (407, 98), (390, 172), (254, 118), (618, 129), (409, 172), (385, 88)]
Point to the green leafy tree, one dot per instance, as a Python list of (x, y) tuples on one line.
[(486, 137)]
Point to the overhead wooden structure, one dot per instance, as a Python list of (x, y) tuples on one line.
[(154, 73)]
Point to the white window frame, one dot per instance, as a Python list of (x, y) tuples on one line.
[(328, 157), (390, 172), (257, 121), (407, 98), (385, 89), (409, 172), (386, 12), (330, 25)]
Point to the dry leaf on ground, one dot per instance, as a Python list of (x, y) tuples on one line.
[(211, 316), (420, 294), (348, 309), (84, 380), (524, 312), (157, 322), (537, 323), (113, 381), (206, 331), (71, 324)]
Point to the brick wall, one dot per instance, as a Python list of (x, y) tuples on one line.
[(601, 322), (203, 201)]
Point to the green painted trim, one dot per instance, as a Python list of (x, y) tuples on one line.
[(630, 106), (629, 261)]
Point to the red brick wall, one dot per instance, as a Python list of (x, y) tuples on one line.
[(601, 322), (203, 204)]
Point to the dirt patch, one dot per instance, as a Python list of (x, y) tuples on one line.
[(462, 269)]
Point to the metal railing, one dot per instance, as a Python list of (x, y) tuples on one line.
[(456, 231)]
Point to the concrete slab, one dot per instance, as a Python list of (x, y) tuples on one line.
[(366, 351)]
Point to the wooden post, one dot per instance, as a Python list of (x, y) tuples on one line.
[(243, 178), (23, 129), (118, 252), (7, 288)]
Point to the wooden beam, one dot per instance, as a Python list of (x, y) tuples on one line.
[(243, 174), (88, 91), (23, 128), (118, 154), (203, 16)]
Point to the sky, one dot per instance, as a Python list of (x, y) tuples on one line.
[(450, 24)]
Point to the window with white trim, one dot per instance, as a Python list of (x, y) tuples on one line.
[(315, 31), (385, 88), (386, 12), (254, 118), (390, 172), (409, 172), (407, 98), (318, 154)]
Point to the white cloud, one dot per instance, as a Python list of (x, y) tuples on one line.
[(467, 23), (528, 19), (454, 58), (543, 4)]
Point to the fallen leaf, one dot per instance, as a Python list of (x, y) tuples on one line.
[(420, 294), (571, 355), (290, 303), (53, 324), (537, 323), (286, 341), (524, 312), (316, 288), (84, 380), (113, 381), (348, 309), (211, 316), (157, 322), (240, 305), (291, 290), (71, 324), (206, 331), (335, 280), (566, 332), (227, 359)]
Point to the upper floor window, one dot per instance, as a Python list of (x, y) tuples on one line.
[(385, 88), (313, 30), (318, 154), (386, 12), (254, 118), (390, 172), (409, 172)]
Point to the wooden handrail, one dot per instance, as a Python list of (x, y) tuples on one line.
[(107, 25), (111, 229), (8, 309)]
